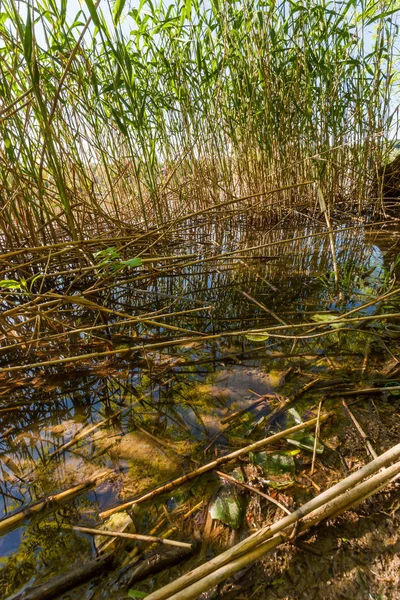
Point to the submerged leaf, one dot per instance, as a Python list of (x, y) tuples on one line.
[(273, 464), (328, 320), (390, 384), (278, 468), (228, 508)]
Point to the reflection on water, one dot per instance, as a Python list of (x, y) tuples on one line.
[(172, 399)]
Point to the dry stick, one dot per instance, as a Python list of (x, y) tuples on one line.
[(91, 328), (290, 399), (283, 378), (60, 584), (268, 245), (15, 102), (191, 339), (239, 413), (150, 566), (80, 301), (175, 342), (324, 209), (254, 490), (269, 531), (361, 431), (317, 431), (87, 270), (131, 536), (85, 432), (167, 487), (236, 252), (52, 501), (366, 391), (328, 510)]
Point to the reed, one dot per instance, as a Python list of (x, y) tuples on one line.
[(173, 107)]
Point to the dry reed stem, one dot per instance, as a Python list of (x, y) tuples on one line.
[(177, 342), (253, 490), (327, 511), (268, 532), (361, 431), (51, 501), (131, 536)]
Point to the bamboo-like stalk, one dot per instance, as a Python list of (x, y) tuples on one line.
[(131, 536), (53, 501), (268, 532), (167, 487), (328, 510), (253, 490), (65, 581)]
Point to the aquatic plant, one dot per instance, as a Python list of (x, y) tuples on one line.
[(171, 107)]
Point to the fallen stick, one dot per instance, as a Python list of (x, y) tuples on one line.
[(317, 430), (66, 581), (167, 487), (139, 570), (361, 431), (330, 509), (286, 401), (242, 411), (268, 532), (54, 501), (254, 490), (131, 536), (362, 391)]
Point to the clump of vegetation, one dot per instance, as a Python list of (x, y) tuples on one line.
[(167, 107)]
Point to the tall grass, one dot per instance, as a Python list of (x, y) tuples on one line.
[(175, 107)]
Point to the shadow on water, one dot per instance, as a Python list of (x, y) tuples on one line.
[(173, 398)]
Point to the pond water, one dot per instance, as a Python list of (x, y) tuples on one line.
[(164, 404)]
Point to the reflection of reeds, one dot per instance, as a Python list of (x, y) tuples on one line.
[(204, 102)]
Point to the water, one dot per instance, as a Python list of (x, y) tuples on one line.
[(172, 398)]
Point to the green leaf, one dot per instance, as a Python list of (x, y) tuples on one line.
[(28, 38), (305, 442), (118, 8), (121, 125), (327, 319), (382, 16), (257, 337), (132, 262), (10, 284), (93, 12), (137, 594)]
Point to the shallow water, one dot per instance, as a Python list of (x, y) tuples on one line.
[(173, 398)]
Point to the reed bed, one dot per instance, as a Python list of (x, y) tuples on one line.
[(170, 108)]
